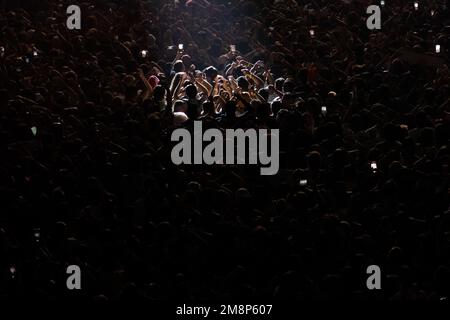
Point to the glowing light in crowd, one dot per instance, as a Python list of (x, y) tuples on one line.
[(144, 53), (374, 166), (37, 234), (12, 270), (438, 48)]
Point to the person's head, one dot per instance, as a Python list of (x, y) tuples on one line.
[(192, 111), (151, 40), (168, 68), (117, 103), (288, 85), (179, 118), (283, 117), (230, 109), (314, 160), (180, 106), (279, 84), (442, 280), (159, 93), (187, 60), (243, 83), (208, 108), (300, 104), (263, 92), (191, 91), (276, 106), (211, 73), (288, 101), (154, 81), (263, 111), (178, 66), (397, 66), (216, 44)]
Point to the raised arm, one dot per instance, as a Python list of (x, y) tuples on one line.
[(149, 88)]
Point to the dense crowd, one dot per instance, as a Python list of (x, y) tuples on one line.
[(86, 176)]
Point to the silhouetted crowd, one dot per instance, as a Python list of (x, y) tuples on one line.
[(86, 176)]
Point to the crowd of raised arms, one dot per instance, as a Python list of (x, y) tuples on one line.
[(86, 176)]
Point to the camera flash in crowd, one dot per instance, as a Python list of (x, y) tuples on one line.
[(181, 47), (35, 53), (374, 166), (303, 182), (438, 48), (144, 53), (416, 5), (324, 110), (34, 131), (233, 48), (37, 234), (432, 13), (382, 3), (12, 270), (312, 33), (2, 51)]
